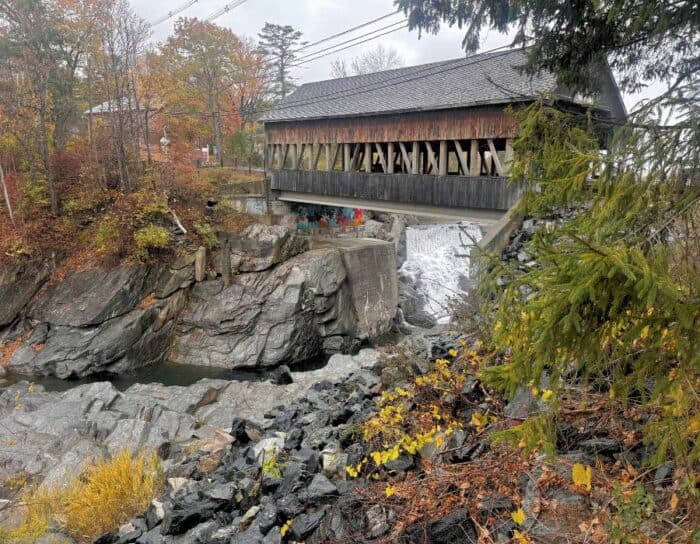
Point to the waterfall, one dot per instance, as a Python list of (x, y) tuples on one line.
[(437, 265)]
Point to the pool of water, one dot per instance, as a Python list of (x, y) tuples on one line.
[(164, 373)]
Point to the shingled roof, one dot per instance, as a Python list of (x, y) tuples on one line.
[(484, 79)]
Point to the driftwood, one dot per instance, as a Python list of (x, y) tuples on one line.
[(7, 196), (177, 221)]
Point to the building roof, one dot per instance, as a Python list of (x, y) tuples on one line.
[(484, 79)]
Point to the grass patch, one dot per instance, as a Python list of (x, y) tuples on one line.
[(103, 496)]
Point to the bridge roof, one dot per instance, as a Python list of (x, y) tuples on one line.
[(478, 80)]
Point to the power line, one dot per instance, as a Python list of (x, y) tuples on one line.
[(174, 12), (405, 25), (348, 31), (225, 9), (314, 53)]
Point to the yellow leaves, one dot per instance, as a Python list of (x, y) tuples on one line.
[(498, 326), (453, 353), (521, 538), (673, 502), (479, 420), (285, 528), (389, 491), (547, 395), (383, 457), (581, 475), (353, 471), (518, 516), (645, 333)]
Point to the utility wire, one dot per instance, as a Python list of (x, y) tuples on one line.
[(348, 31), (302, 59), (225, 9), (316, 56), (174, 12)]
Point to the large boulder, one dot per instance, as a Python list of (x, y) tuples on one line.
[(19, 282), (91, 297), (265, 319), (137, 338), (260, 247)]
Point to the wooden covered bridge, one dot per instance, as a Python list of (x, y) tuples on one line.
[(432, 139)]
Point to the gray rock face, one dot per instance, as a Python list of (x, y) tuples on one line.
[(260, 247), (323, 300), (92, 297), (137, 338), (264, 319), (18, 284)]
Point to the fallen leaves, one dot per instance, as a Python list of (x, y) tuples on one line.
[(582, 475)]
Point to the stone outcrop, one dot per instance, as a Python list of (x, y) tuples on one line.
[(286, 314), (92, 297), (260, 247), (96, 321), (18, 285), (293, 305)]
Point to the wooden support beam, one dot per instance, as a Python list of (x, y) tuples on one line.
[(299, 159), (406, 159), (415, 158), (284, 156), (432, 161), (347, 158), (275, 156), (382, 159), (391, 158), (509, 157), (368, 158), (337, 156), (474, 159), (496, 160), (294, 150), (317, 157), (355, 160), (461, 158), (443, 160)]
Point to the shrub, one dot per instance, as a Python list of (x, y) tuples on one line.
[(150, 237), (105, 495), (207, 234), (108, 236)]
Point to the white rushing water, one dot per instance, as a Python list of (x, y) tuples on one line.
[(437, 263)]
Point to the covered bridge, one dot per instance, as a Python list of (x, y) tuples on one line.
[(432, 139)]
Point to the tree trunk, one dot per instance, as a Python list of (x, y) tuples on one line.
[(219, 139), (148, 135), (46, 158), (7, 196)]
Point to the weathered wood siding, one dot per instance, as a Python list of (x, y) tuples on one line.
[(457, 124), (488, 193)]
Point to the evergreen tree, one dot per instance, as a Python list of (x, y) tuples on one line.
[(644, 40), (279, 44), (614, 298)]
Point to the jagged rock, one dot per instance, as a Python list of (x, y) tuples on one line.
[(18, 284), (320, 488), (139, 337), (260, 247), (259, 320), (91, 297), (183, 516), (305, 524)]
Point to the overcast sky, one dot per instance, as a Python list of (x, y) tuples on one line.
[(318, 19)]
